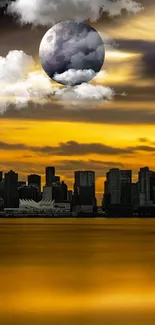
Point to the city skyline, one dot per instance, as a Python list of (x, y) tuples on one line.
[(118, 175)]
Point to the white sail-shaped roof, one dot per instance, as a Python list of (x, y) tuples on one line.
[(31, 204)]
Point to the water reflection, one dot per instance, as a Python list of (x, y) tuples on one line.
[(77, 272)]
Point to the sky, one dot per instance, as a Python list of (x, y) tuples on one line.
[(104, 124)]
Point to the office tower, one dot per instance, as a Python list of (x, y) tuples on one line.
[(1, 204), (11, 199), (144, 185), (1, 186), (135, 194), (1, 176), (50, 173), (64, 191), (152, 188), (125, 186), (106, 196), (47, 193), (69, 195), (21, 183), (117, 187), (57, 192), (113, 188), (84, 188), (30, 192), (84, 178), (34, 180), (2, 190)]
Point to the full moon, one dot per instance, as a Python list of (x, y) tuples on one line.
[(72, 52)]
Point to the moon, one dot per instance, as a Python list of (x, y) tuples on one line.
[(72, 52)]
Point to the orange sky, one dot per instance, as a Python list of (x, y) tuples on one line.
[(124, 69)]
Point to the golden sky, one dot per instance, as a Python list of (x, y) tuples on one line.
[(104, 135)]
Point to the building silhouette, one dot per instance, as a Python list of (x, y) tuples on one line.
[(1, 176), (57, 191), (29, 192), (50, 176), (11, 199), (84, 189), (135, 194), (117, 187), (34, 179), (125, 187), (112, 193), (1, 185)]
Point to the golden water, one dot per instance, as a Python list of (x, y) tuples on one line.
[(77, 272)]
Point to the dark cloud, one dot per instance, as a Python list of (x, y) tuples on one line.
[(73, 148), (135, 45), (146, 64), (148, 61), (70, 148), (143, 140), (105, 115)]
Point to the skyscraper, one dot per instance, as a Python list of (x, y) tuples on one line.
[(30, 192), (118, 187), (1, 186), (125, 186), (34, 179), (1, 176), (84, 188), (84, 178), (144, 185), (113, 186), (11, 199), (50, 173)]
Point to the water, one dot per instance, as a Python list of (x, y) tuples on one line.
[(77, 272)]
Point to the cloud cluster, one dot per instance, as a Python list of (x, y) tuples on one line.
[(73, 148), (19, 85), (85, 92), (73, 77), (48, 12)]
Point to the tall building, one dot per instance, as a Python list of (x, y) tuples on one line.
[(84, 188), (30, 192), (64, 191), (69, 195), (11, 199), (50, 173), (34, 179), (144, 185), (21, 183), (135, 194), (125, 186), (84, 178), (113, 188), (57, 192), (1, 186), (1, 176), (117, 187), (47, 193)]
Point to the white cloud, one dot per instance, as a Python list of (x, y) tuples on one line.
[(48, 12), (85, 92), (73, 77), (14, 66), (18, 85)]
